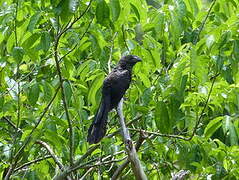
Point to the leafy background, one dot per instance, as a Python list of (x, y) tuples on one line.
[(54, 56)]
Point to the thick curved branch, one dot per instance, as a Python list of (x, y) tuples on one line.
[(52, 154), (120, 169), (130, 148)]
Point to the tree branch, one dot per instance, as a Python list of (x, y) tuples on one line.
[(204, 22), (50, 151), (120, 169), (130, 148), (76, 165), (197, 123), (37, 124), (57, 38), (32, 162), (71, 139), (83, 35)]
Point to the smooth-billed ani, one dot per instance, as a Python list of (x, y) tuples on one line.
[(114, 87)]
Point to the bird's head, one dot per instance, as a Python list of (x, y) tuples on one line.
[(129, 61)]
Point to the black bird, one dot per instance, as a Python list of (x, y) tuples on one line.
[(114, 87)]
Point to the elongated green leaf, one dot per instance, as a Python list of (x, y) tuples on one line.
[(212, 126), (162, 118), (18, 53), (135, 11), (234, 140), (65, 9), (45, 41), (115, 9), (29, 42), (33, 94), (33, 21), (102, 13), (97, 83), (68, 91), (48, 91)]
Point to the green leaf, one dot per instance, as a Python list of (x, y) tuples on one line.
[(33, 21), (97, 83), (236, 49), (29, 42), (102, 13), (18, 53), (10, 42), (135, 11), (212, 126), (115, 9), (33, 94), (65, 9), (45, 41), (145, 79), (162, 120), (234, 140), (48, 91), (68, 91)]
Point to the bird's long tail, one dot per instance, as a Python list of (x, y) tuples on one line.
[(98, 127)]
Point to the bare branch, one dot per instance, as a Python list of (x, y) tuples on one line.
[(120, 169), (52, 154), (130, 148), (12, 124), (32, 162), (64, 100), (76, 165), (37, 124)]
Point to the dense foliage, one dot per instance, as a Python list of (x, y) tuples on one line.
[(54, 56)]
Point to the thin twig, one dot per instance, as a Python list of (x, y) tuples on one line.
[(32, 162), (37, 124), (125, 43), (71, 139), (130, 148), (158, 134), (194, 129), (72, 168), (57, 39), (13, 149), (129, 123), (204, 108), (12, 124), (74, 21), (52, 154), (204, 22), (72, 49)]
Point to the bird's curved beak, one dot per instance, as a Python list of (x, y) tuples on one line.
[(137, 59)]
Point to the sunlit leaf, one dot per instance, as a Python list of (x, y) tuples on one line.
[(33, 21), (212, 126), (115, 9)]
